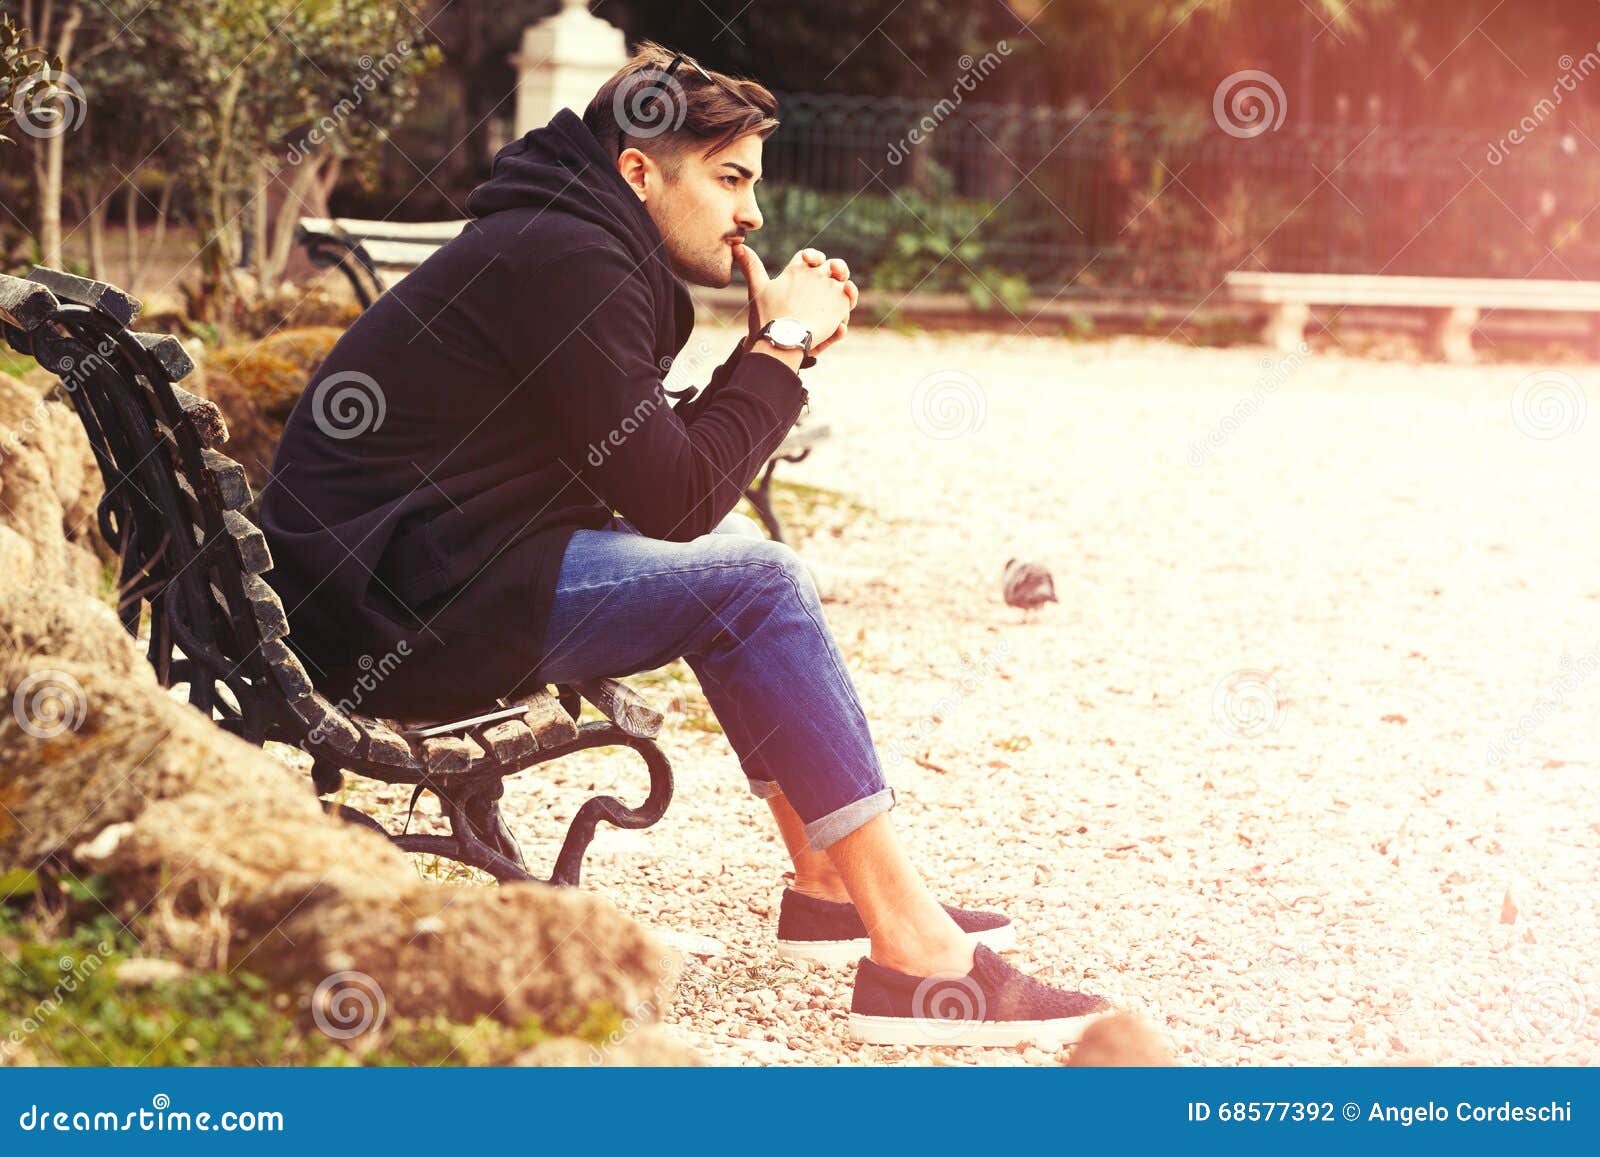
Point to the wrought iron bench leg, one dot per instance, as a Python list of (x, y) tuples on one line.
[(569, 863), (760, 496), (479, 836)]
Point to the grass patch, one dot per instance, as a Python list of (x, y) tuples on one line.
[(13, 363), (64, 1003), (806, 510)]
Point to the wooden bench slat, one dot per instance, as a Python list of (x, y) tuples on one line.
[(286, 668), (168, 352), (108, 299), (449, 754), (384, 744), (269, 613), (398, 254), (508, 740), (204, 415), (357, 229), (250, 543), (547, 719), (324, 722), (25, 304), (228, 479), (623, 706)]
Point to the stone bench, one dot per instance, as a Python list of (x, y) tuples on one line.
[(1453, 305)]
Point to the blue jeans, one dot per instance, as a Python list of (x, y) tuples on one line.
[(743, 612)]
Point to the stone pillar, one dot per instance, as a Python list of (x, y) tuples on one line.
[(563, 60)]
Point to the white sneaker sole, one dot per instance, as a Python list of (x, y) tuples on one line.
[(905, 1030), (838, 953)]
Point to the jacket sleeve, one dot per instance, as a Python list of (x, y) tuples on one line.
[(689, 405), (591, 354)]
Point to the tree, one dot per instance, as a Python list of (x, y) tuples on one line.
[(258, 103), (23, 67)]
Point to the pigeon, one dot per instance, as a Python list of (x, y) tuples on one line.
[(1028, 585)]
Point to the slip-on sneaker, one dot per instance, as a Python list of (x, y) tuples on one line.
[(825, 932), (993, 1004)]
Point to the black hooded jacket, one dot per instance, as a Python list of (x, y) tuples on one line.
[(507, 392)]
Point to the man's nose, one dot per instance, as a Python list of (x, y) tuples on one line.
[(749, 216)]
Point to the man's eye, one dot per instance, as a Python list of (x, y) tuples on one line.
[(731, 180)]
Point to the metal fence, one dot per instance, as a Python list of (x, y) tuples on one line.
[(1104, 203)]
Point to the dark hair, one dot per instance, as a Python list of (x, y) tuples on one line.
[(667, 117)]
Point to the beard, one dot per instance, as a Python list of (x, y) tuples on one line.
[(713, 270)]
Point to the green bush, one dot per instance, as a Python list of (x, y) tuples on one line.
[(925, 240)]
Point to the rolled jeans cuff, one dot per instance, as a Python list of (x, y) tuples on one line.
[(836, 825), (764, 788)]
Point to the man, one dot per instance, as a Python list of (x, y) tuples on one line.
[(486, 470)]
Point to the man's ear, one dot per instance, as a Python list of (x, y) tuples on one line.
[(633, 165)]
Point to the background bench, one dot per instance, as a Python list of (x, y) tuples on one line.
[(191, 560), (374, 255), (1452, 304)]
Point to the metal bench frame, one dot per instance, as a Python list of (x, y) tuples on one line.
[(364, 251), (191, 563)]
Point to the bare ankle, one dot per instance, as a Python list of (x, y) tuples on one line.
[(923, 958), (821, 887)]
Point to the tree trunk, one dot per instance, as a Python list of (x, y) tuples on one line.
[(98, 208), (47, 175), (266, 277), (296, 204), (163, 207), (130, 225)]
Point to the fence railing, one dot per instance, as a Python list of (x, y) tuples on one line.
[(1113, 204)]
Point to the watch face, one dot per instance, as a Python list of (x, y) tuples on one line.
[(788, 331)]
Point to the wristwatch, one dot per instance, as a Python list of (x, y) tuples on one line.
[(787, 333)]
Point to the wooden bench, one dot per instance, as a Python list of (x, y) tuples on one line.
[(374, 255), (175, 511), (1452, 304)]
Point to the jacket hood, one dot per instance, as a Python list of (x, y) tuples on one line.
[(563, 169)]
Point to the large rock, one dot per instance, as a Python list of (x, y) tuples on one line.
[(232, 860), (50, 485)]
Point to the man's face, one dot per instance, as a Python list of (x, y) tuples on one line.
[(701, 213)]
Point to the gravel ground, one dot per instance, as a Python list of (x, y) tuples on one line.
[(1302, 764)]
